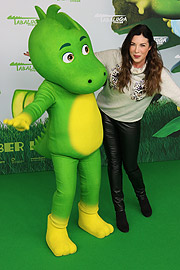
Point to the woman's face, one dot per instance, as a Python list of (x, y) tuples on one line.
[(138, 50)]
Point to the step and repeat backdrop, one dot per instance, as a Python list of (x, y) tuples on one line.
[(107, 23)]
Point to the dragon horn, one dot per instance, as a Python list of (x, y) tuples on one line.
[(40, 13)]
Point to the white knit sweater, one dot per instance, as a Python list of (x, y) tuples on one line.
[(130, 105)]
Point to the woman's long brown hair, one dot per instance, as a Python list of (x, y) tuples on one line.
[(154, 62)]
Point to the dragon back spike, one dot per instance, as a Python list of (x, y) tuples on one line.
[(67, 21), (53, 10), (40, 13)]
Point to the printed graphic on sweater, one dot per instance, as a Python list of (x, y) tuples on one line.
[(113, 77), (138, 91)]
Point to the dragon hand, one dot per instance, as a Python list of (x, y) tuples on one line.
[(21, 122)]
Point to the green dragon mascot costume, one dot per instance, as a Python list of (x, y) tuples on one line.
[(61, 52)]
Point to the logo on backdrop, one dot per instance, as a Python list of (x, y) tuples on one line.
[(160, 40), (120, 19), (17, 20), (23, 66)]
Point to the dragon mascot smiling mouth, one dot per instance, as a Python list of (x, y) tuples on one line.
[(61, 52)]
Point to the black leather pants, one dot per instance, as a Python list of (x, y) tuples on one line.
[(121, 144)]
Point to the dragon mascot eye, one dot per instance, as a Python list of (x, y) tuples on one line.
[(68, 57), (85, 49)]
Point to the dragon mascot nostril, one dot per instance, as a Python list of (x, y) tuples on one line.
[(61, 52)]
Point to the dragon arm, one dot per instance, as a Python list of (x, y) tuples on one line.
[(42, 101), (20, 122)]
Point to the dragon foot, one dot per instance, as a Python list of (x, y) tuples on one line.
[(58, 240), (94, 224)]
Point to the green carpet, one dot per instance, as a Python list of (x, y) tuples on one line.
[(152, 243)]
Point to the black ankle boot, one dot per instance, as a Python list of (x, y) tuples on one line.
[(121, 221), (144, 202)]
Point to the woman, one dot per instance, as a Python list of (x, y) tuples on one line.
[(135, 75)]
